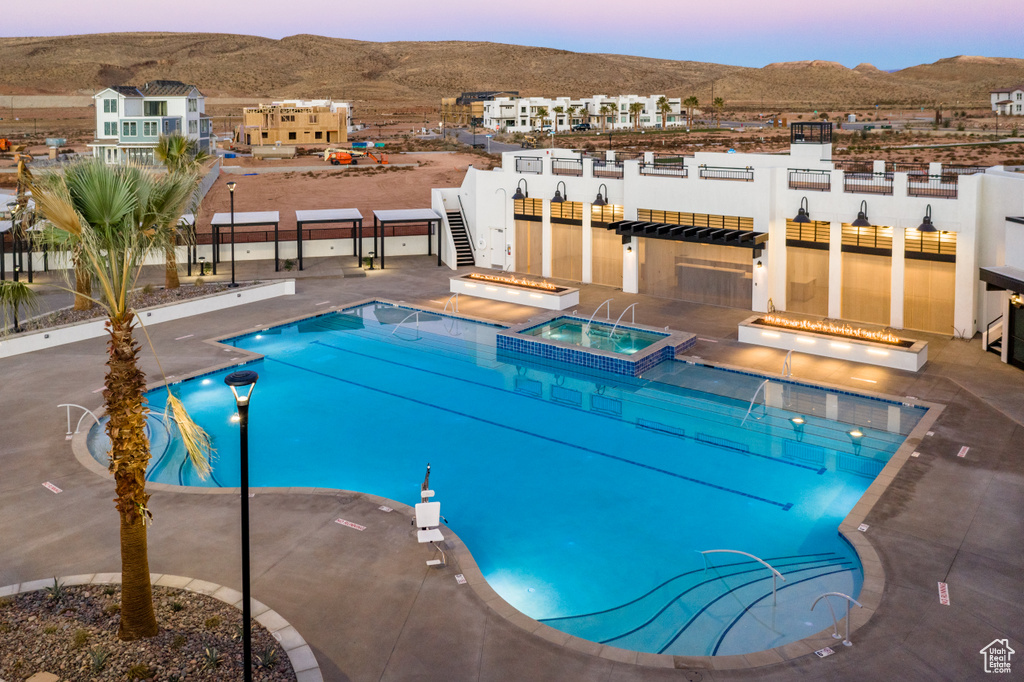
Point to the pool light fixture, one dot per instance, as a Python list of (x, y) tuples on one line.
[(560, 196), (926, 223), (522, 192), (601, 199), (803, 215), (238, 381), (799, 421), (862, 216), (856, 433), (798, 427)]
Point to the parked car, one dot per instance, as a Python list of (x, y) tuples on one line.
[(582, 126)]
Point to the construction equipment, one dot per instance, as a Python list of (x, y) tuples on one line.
[(5, 145), (344, 157)]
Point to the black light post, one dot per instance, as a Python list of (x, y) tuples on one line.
[(231, 191), (12, 208), (238, 380)]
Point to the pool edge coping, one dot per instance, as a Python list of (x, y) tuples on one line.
[(873, 583)]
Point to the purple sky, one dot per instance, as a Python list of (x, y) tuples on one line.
[(890, 34)]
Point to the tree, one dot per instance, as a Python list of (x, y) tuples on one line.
[(690, 103), (634, 110), (719, 105), (665, 108), (606, 111), (179, 154), (15, 296), (116, 216), (541, 114), (572, 109), (559, 111)]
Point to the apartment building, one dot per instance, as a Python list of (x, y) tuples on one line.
[(526, 114), (296, 122), (130, 119), (468, 108)]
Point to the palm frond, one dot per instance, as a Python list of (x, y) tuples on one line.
[(197, 442)]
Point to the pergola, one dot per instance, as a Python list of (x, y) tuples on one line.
[(406, 216), (352, 216), (248, 219)]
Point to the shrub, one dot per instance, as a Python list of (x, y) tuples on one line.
[(178, 641), (212, 622), (140, 671), (199, 282), (213, 659), (98, 659), (267, 658), (177, 606), (147, 290), (112, 609), (56, 591), (80, 638)]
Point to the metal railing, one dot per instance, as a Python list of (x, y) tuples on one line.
[(835, 623), (606, 302), (764, 392), (867, 183), (951, 169), (529, 164), (671, 169), (989, 337), (86, 412), (811, 180), (913, 168), (608, 169), (573, 167), (775, 574), (631, 306), (726, 173), (453, 300), (939, 186)]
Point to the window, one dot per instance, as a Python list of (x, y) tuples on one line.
[(154, 108), (264, 134), (193, 127), (318, 135), (193, 105), (151, 128), (129, 129), (314, 118), (291, 136), (287, 118), (110, 127), (110, 106)]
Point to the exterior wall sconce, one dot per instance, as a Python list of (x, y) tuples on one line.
[(521, 191), (759, 265), (601, 199), (926, 224), (803, 215), (1016, 300), (560, 196), (862, 216), (629, 248)]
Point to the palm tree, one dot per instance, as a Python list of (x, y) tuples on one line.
[(665, 108), (690, 103), (572, 109), (116, 216), (719, 105), (606, 111), (15, 296), (559, 110), (179, 154), (634, 110), (542, 114)]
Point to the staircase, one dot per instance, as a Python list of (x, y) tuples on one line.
[(463, 250)]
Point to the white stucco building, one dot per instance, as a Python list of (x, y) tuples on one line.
[(524, 114), (1008, 101), (130, 120), (719, 228)]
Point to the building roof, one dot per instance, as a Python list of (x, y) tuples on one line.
[(1012, 88), (160, 88), (126, 90), (1005, 101)]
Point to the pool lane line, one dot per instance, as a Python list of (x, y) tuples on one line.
[(825, 557), (765, 596), (785, 506), (773, 460), (838, 562), (704, 608)]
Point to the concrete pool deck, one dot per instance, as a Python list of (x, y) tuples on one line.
[(371, 610)]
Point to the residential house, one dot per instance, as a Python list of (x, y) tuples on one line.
[(1008, 101), (506, 114), (296, 122)]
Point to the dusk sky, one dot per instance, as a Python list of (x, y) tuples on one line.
[(888, 34)]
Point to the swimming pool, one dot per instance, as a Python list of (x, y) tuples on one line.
[(595, 335), (584, 496)]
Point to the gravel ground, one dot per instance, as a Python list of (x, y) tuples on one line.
[(75, 637), (140, 299)]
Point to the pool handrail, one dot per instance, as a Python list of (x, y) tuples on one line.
[(615, 326), (835, 623), (455, 306), (85, 411), (606, 302), (757, 390), (415, 313), (775, 573)]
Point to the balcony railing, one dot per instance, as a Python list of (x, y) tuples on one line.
[(811, 180), (607, 169), (529, 164), (867, 183), (939, 186), (673, 168), (725, 173), (950, 169), (572, 167)]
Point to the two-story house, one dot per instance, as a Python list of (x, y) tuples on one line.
[(1008, 101), (130, 120)]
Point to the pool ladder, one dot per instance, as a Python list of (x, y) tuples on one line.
[(835, 623), (775, 574), (764, 393), (85, 412), (607, 303)]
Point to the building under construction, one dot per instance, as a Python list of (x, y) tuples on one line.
[(468, 108), (296, 122)]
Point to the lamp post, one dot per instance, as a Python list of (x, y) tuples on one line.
[(235, 381), (12, 208), (202, 266), (231, 191)]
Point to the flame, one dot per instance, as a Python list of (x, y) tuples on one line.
[(515, 281), (832, 329)]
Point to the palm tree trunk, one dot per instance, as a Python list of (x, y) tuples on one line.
[(171, 280), (129, 455)]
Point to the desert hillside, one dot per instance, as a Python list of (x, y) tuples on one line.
[(315, 66)]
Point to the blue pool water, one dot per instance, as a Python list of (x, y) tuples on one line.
[(585, 497), (595, 335)]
